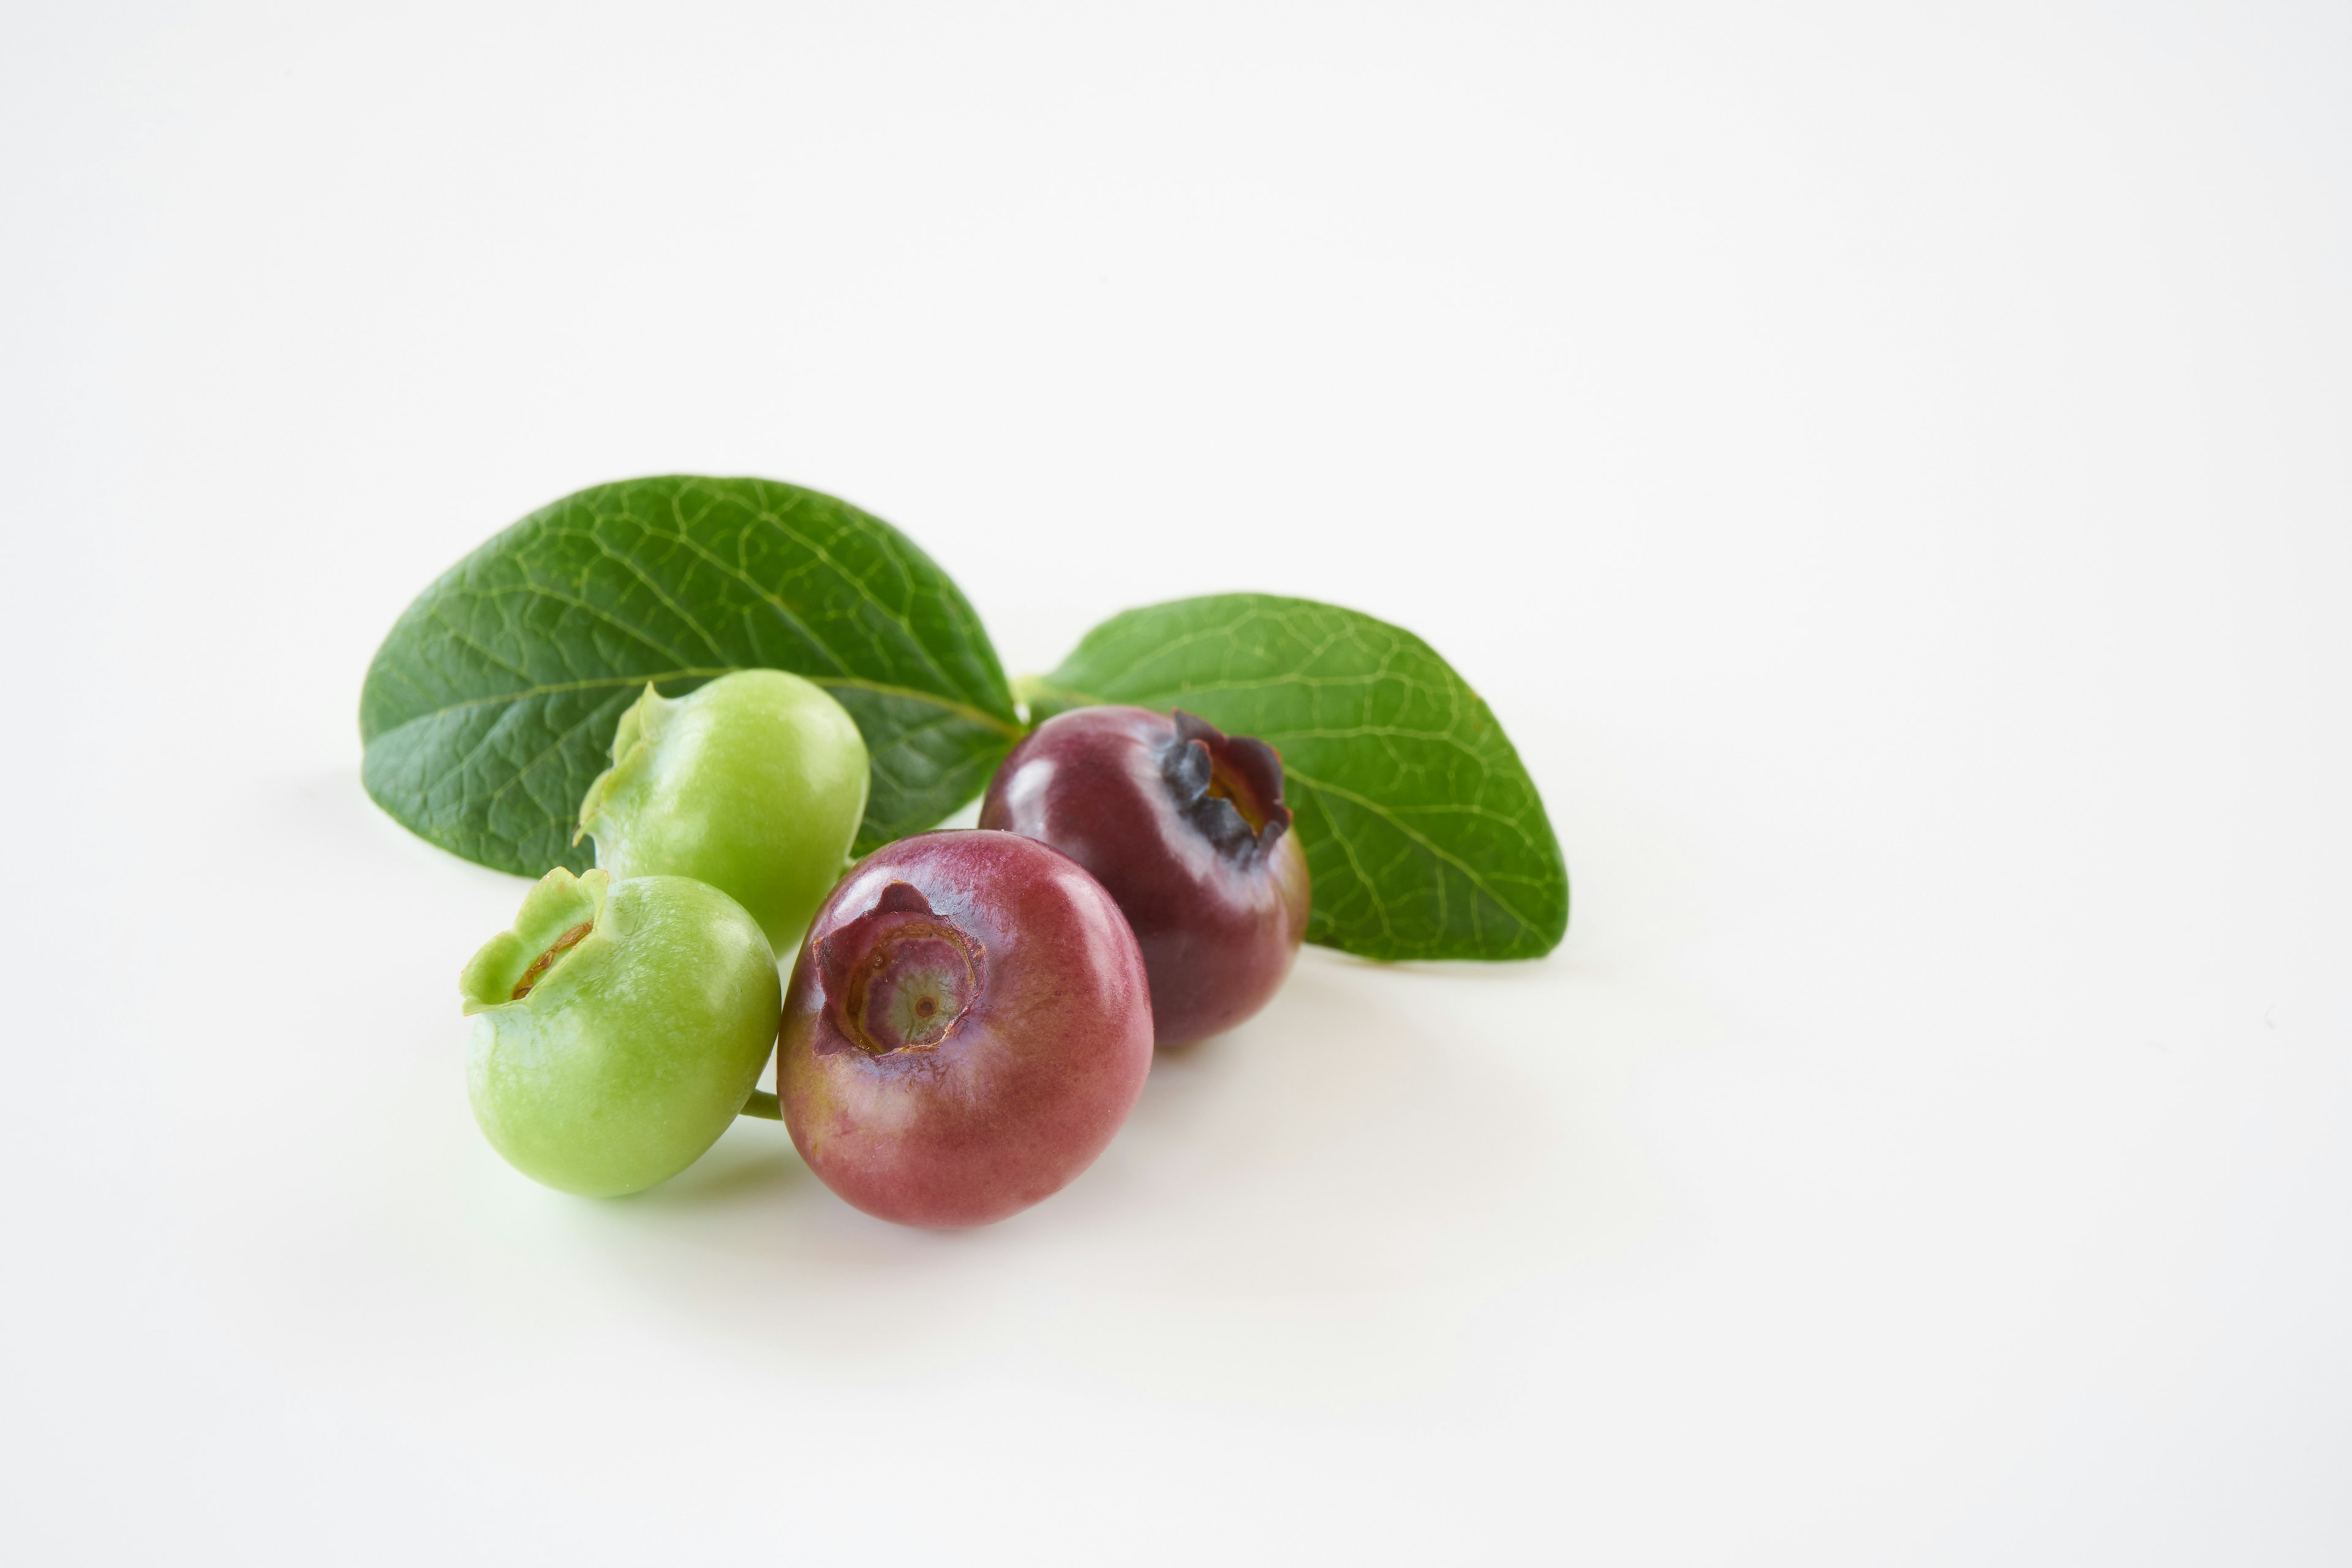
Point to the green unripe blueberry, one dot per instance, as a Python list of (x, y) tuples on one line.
[(618, 1028), (755, 784)]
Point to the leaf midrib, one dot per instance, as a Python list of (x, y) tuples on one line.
[(684, 536)]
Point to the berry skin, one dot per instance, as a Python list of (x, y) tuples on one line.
[(753, 782), (967, 1027), (1186, 829), (618, 1028)]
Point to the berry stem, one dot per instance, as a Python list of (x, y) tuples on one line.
[(764, 1104)]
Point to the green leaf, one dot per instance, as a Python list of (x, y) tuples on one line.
[(1423, 834), (490, 707)]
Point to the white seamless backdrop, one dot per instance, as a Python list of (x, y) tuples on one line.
[(1886, 467)]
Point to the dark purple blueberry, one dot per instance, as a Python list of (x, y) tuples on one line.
[(1186, 829)]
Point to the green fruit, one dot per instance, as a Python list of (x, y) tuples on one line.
[(618, 1028), (753, 783)]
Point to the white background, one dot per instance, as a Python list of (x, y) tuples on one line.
[(1886, 467)]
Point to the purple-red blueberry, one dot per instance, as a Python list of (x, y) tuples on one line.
[(968, 1024), (1187, 829)]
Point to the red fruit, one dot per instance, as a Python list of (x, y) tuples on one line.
[(1186, 829), (968, 1024)]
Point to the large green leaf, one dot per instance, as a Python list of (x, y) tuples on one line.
[(1423, 831), (490, 707)]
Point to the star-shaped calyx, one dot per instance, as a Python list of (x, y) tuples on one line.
[(899, 977)]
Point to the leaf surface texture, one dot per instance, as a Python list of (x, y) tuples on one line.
[(1424, 833), (490, 707)]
